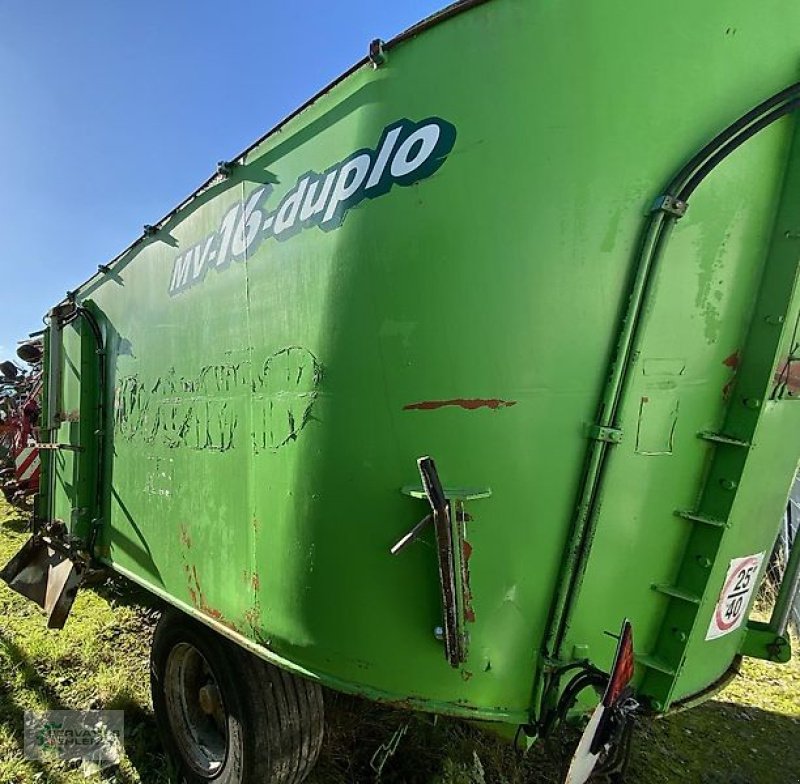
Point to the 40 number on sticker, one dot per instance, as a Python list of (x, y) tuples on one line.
[(740, 582)]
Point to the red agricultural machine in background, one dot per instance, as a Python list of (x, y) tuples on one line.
[(20, 393)]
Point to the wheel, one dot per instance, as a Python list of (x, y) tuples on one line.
[(226, 716)]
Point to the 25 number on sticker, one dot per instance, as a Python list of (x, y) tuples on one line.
[(734, 599)]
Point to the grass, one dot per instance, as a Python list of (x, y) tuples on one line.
[(749, 735)]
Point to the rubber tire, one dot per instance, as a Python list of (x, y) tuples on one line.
[(275, 720)]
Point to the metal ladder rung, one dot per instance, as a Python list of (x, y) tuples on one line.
[(721, 438), (677, 593), (698, 518), (654, 663)]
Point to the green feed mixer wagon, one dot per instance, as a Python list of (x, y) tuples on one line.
[(470, 387)]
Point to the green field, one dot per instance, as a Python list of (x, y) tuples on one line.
[(749, 735)]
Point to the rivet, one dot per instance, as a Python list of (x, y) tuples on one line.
[(752, 402), (704, 561), (657, 705), (728, 484), (681, 636), (774, 320), (438, 633)]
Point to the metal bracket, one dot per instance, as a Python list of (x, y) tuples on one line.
[(611, 435), (450, 493), (454, 496), (761, 642), (377, 53), (57, 447), (48, 570), (448, 518), (670, 205)]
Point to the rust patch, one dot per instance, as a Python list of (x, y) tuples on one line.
[(469, 404), (469, 612), (733, 362), (196, 591), (727, 389), (193, 588), (251, 618), (195, 581)]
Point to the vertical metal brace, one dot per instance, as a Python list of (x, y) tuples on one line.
[(450, 554), (54, 370), (782, 612), (448, 518)]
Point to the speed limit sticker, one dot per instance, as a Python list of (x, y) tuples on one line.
[(740, 582)]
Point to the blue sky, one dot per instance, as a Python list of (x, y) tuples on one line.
[(111, 113)]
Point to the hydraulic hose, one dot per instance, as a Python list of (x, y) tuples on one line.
[(721, 139), (733, 144)]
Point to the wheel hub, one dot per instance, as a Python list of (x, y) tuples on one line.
[(196, 710)]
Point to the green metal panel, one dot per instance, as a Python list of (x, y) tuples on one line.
[(731, 461), (275, 372), (73, 442)]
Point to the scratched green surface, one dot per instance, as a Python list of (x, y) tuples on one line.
[(259, 435)]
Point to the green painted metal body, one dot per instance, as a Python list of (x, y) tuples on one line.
[(266, 397)]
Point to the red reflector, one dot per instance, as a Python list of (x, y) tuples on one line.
[(622, 671)]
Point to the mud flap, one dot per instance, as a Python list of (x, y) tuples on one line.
[(47, 575)]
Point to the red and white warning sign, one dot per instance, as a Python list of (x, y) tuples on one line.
[(740, 582)]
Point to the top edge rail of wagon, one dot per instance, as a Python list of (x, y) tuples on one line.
[(441, 16)]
